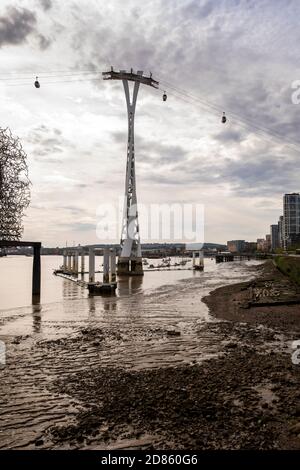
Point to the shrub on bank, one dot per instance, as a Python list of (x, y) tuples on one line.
[(289, 266)]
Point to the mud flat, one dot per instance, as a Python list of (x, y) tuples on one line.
[(271, 299), (227, 383), (246, 398), (272, 303)]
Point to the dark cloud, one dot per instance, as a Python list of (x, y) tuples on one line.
[(79, 226), (247, 176), (39, 207), (16, 26), (74, 209), (46, 4), (83, 227), (49, 144), (199, 9), (222, 59), (266, 175), (119, 136), (219, 53), (47, 159), (156, 153), (41, 128), (223, 62), (44, 42), (151, 152), (230, 135), (46, 135)]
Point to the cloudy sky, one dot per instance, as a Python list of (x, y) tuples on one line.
[(240, 56)]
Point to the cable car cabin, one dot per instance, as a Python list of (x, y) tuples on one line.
[(165, 96), (37, 83), (224, 118)]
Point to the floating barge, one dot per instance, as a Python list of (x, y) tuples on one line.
[(101, 287)]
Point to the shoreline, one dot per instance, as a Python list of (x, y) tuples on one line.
[(258, 408), (274, 307), (245, 396)]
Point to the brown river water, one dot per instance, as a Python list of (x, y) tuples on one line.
[(137, 324)]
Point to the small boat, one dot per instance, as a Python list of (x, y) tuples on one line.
[(165, 264), (198, 268)]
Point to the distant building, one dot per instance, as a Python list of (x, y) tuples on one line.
[(294, 239), (280, 232), (250, 247), (274, 237), (236, 246), (261, 244), (268, 242), (291, 219)]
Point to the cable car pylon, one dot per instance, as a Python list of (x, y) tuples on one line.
[(130, 259)]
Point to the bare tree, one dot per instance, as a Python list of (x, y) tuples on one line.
[(14, 186)]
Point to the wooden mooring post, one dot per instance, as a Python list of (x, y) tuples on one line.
[(36, 267), (109, 283), (200, 265), (36, 270)]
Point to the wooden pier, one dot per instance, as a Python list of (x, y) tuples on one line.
[(224, 257), (229, 257), (70, 270)]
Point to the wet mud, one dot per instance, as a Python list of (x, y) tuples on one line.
[(156, 374)]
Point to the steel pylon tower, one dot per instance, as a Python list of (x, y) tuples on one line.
[(130, 260)]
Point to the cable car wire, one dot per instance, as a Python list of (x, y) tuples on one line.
[(28, 76), (241, 120), (188, 97), (52, 82), (232, 113)]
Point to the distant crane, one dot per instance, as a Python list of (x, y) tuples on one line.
[(130, 260)]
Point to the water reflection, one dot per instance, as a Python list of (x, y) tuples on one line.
[(129, 285), (155, 299), (92, 307), (101, 304), (69, 289), (109, 305), (36, 314), (18, 271)]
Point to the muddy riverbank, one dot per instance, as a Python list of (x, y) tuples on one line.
[(271, 299), (174, 382), (246, 398)]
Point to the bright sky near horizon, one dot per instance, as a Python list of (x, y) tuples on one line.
[(241, 55)]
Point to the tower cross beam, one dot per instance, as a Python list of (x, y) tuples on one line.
[(130, 76)]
